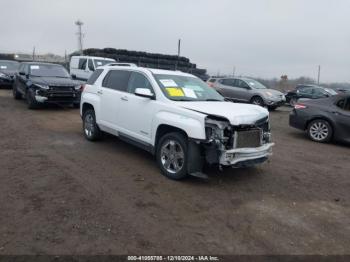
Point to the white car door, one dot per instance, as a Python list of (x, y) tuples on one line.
[(136, 113), (112, 90)]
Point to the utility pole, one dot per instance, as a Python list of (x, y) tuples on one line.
[(319, 74), (178, 53), (79, 23), (33, 53), (179, 48)]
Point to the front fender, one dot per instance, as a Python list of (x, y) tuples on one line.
[(194, 127)]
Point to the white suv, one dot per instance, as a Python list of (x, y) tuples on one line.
[(176, 117)]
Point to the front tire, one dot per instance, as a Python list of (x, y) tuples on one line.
[(172, 155), (257, 100), (320, 130), (15, 93), (91, 130), (30, 97)]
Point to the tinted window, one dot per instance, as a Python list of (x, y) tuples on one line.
[(347, 105), (82, 63), (91, 65), (94, 77), (212, 80), (117, 80), (228, 82), (138, 80)]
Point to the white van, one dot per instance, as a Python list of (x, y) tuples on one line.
[(82, 67)]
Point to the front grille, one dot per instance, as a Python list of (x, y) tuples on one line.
[(62, 88), (248, 138)]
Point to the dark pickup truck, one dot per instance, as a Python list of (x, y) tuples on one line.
[(44, 83)]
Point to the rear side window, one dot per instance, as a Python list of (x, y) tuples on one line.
[(82, 63), (138, 80), (94, 76), (227, 82), (305, 90), (117, 80)]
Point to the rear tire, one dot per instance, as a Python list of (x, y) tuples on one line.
[(172, 155), (320, 130), (91, 130)]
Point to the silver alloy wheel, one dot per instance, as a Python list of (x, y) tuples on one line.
[(89, 125), (258, 101), (319, 131), (172, 156)]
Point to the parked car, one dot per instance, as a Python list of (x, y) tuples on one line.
[(308, 92), (82, 67), (323, 119), (7, 72), (248, 91), (176, 117), (43, 83)]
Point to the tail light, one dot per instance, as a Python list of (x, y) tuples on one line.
[(210, 84), (82, 87), (300, 106)]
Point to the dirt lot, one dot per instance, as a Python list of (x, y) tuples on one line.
[(60, 194)]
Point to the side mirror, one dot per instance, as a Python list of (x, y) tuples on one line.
[(74, 77), (144, 92)]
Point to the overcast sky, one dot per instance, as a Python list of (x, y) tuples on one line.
[(263, 38)]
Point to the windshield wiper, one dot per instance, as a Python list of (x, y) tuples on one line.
[(212, 99)]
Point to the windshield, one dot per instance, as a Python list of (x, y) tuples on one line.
[(100, 62), (47, 70), (331, 91), (8, 65), (186, 88), (255, 84)]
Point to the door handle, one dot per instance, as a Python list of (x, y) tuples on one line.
[(99, 92), (124, 98)]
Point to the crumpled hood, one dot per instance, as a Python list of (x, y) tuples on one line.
[(55, 81), (236, 113)]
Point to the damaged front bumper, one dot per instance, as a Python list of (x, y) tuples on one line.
[(245, 156)]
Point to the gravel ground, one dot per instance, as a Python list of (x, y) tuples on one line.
[(60, 194)]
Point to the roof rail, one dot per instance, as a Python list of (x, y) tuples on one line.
[(122, 64)]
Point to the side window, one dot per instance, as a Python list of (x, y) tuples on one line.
[(227, 82), (344, 104), (138, 80), (91, 65), (117, 80), (241, 84), (347, 105), (26, 69), (212, 80), (82, 63), (305, 90), (319, 93), (21, 68), (94, 77)]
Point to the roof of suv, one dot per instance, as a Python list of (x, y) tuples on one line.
[(145, 69)]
